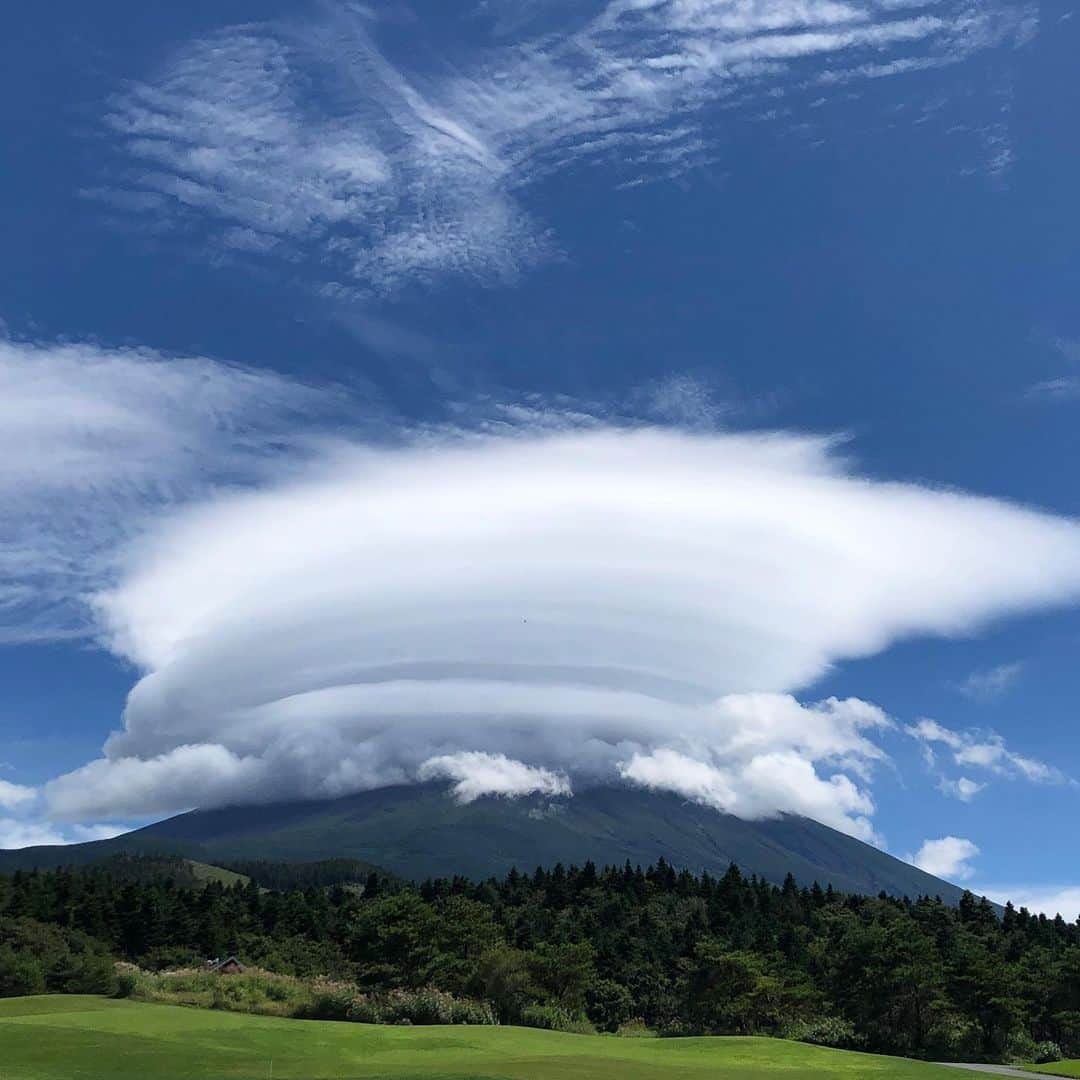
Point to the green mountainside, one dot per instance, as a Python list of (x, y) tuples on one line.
[(418, 832)]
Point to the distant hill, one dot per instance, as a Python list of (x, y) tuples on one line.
[(418, 831)]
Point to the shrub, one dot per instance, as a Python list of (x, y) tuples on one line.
[(554, 1018), (20, 974), (329, 1002), (1047, 1051), (426, 1006), (824, 1031), (1021, 1048), (635, 1029)]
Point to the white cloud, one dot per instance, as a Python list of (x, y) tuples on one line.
[(963, 788), (988, 684), (21, 824), (949, 858), (304, 140), (17, 833), (986, 750), (24, 832), (759, 787), (476, 774), (582, 601), (181, 777), (92, 439), (13, 795)]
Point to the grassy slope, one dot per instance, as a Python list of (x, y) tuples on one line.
[(86, 1038), (202, 873), (1056, 1068)]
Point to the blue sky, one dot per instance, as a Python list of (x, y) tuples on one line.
[(311, 312)]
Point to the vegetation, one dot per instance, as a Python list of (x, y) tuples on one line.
[(77, 1038), (578, 949)]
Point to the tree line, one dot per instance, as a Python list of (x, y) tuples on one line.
[(675, 952)]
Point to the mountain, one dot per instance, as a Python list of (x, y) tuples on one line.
[(418, 831)]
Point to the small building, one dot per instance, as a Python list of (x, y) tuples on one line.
[(228, 966)]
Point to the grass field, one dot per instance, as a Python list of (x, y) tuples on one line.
[(1056, 1068), (87, 1038)]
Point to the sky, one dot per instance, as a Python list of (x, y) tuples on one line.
[(527, 394)]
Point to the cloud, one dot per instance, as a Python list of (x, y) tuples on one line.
[(1049, 900), (988, 684), (22, 833), (362, 173), (478, 774), (13, 795), (963, 788), (1062, 388), (16, 833), (325, 142), (203, 774), (949, 858), (761, 784), (986, 750), (21, 824), (601, 602), (92, 440)]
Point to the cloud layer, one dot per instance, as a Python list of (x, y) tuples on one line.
[(312, 141), (573, 605)]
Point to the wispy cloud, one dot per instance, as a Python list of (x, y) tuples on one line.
[(94, 441), (315, 141), (1060, 388), (988, 684), (981, 750)]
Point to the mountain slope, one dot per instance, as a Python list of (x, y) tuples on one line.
[(418, 831)]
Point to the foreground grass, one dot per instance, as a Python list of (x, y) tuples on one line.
[(1055, 1068), (88, 1038)]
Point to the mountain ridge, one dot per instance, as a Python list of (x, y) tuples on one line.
[(418, 831)]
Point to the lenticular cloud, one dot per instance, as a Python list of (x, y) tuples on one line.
[(533, 612)]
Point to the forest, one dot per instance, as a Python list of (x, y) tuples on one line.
[(575, 948)]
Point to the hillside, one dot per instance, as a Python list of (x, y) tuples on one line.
[(418, 832)]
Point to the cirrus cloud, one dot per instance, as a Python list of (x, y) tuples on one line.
[(317, 141)]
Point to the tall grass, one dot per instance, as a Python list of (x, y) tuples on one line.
[(267, 994)]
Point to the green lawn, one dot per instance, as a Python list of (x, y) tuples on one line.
[(1055, 1068), (87, 1038)]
